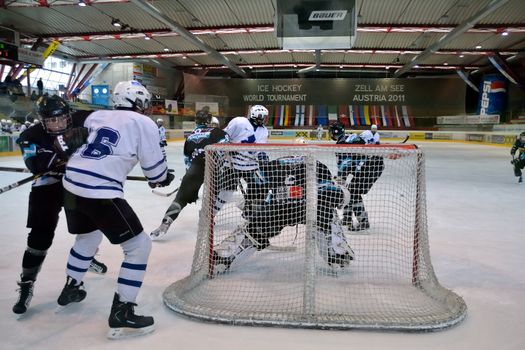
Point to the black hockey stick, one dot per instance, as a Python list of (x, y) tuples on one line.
[(406, 139), (24, 170), (18, 183)]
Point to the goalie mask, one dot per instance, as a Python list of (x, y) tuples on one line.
[(258, 115), (131, 95), (54, 114), (336, 130), (202, 117)]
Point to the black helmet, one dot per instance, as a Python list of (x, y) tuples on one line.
[(336, 130), (54, 113), (203, 117)]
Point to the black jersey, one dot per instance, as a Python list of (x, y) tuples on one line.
[(518, 146), (37, 148), (201, 137)]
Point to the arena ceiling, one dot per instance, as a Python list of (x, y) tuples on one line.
[(237, 37)]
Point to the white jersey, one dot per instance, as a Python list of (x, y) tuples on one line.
[(162, 133), (241, 130), (370, 138), (117, 141)]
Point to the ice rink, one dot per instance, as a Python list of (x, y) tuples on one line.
[(477, 243)]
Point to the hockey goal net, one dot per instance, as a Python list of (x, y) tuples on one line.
[(315, 236)]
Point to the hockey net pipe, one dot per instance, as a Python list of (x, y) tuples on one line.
[(333, 270)]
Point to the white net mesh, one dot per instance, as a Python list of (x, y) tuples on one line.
[(321, 236)]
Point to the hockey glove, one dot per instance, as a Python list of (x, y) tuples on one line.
[(166, 182), (71, 140), (163, 143)]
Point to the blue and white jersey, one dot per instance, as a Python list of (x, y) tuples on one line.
[(370, 138), (240, 130), (117, 141), (162, 133)]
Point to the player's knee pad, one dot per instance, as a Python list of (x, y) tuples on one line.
[(137, 249), (40, 239), (86, 244)]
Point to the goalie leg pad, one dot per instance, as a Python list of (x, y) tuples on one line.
[(334, 248), (234, 250)]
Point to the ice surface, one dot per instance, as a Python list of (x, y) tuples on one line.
[(477, 243)]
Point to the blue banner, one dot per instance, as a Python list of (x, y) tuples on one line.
[(493, 94), (100, 95)]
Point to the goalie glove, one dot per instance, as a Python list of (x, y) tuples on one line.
[(67, 143)]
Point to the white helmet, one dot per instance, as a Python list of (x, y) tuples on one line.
[(160, 121), (131, 94), (214, 122), (258, 114)]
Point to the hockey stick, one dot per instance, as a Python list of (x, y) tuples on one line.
[(18, 183), (24, 170), (406, 139), (162, 194)]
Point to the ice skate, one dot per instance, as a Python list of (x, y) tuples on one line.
[(123, 322), (24, 297), (97, 267), (72, 293), (162, 229)]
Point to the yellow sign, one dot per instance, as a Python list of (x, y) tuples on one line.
[(51, 49)]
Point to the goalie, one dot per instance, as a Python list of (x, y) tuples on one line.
[(282, 202)]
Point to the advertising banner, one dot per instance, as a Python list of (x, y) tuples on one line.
[(171, 107), (390, 102), (492, 94)]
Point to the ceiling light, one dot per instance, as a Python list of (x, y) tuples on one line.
[(446, 64), (196, 64), (147, 37), (478, 46), (461, 56), (183, 57), (341, 66), (505, 33), (81, 3), (416, 66), (166, 49), (250, 67), (116, 23)]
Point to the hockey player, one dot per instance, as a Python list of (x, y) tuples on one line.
[(46, 197), (202, 136), (519, 161), (365, 171), (371, 137), (243, 164), (285, 205), (94, 203), (320, 132), (162, 135)]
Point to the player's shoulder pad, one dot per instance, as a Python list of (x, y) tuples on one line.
[(34, 134)]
